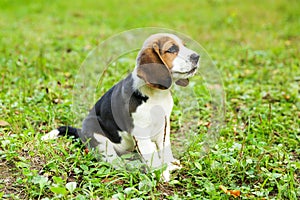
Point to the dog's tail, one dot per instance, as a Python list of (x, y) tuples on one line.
[(62, 131)]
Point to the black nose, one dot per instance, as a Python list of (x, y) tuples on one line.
[(194, 58)]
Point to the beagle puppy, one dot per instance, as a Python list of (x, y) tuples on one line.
[(134, 115)]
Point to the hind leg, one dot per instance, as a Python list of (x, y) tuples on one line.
[(105, 148)]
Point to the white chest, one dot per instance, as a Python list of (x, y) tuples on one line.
[(150, 117)]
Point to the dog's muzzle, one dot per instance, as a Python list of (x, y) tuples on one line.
[(194, 58)]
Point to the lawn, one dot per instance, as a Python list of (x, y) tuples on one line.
[(255, 45)]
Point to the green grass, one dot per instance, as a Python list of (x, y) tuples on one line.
[(256, 47)]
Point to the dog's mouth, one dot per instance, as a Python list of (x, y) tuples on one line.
[(192, 71)]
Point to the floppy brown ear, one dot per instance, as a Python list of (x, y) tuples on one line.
[(152, 69), (182, 82)]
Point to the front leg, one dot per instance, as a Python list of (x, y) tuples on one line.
[(148, 151), (155, 158), (163, 144)]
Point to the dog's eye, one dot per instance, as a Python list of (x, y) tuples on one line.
[(173, 49)]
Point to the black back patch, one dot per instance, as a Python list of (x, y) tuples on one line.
[(114, 109)]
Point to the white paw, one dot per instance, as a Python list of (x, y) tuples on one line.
[(166, 175), (172, 166)]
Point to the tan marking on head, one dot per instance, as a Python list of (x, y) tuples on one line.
[(162, 46), (155, 61)]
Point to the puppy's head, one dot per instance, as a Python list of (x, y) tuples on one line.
[(164, 59)]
